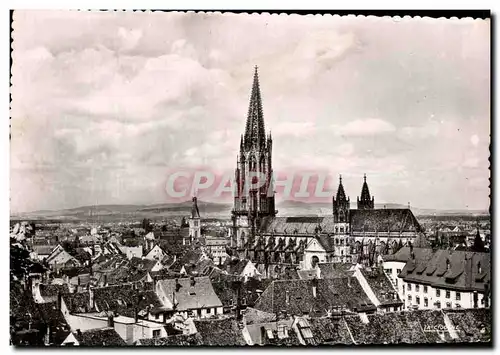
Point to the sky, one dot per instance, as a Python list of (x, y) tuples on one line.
[(106, 104)]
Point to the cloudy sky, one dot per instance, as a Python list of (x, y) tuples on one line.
[(106, 104)]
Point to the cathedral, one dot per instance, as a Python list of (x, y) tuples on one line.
[(347, 235)]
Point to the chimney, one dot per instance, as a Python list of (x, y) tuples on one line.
[(262, 335), (79, 332), (177, 285), (136, 315), (349, 281), (47, 336), (111, 321), (287, 297), (314, 286), (59, 297), (193, 281), (486, 295), (105, 280), (91, 298)]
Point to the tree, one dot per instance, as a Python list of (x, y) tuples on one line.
[(478, 244)]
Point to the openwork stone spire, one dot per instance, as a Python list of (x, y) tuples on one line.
[(255, 135)]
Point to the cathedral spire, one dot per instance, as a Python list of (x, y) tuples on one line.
[(255, 131), (366, 201), (340, 191)]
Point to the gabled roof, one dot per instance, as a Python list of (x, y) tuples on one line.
[(235, 266), (220, 332), (77, 302), (451, 269), (384, 220), (43, 249), (326, 331), (381, 287), (334, 270), (125, 299), (191, 293), (99, 337)]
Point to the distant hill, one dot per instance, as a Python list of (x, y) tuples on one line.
[(108, 213)]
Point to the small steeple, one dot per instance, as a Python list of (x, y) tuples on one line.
[(340, 191), (366, 201), (195, 212)]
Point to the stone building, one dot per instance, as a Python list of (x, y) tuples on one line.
[(348, 235)]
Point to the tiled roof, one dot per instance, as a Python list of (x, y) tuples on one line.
[(295, 297), (278, 333), (297, 225), (252, 315), (191, 296), (48, 291), (383, 220), (334, 270), (381, 287), (325, 331), (220, 332), (43, 249), (77, 302), (307, 274), (99, 337), (326, 242), (235, 266), (249, 291), (386, 328), (52, 317), (176, 340), (404, 254), (125, 299), (472, 325), (451, 269)]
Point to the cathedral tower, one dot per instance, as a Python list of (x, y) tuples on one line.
[(365, 202), (341, 207), (251, 203)]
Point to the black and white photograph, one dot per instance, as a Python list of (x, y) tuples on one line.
[(235, 179)]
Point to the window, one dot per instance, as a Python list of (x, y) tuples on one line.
[(425, 289), (398, 271), (458, 296), (438, 293), (426, 302), (438, 304), (389, 271), (448, 294), (409, 298), (417, 288), (448, 304), (156, 333), (157, 316), (282, 332), (417, 299), (342, 228), (409, 287)]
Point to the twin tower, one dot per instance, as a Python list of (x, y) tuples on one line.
[(255, 159)]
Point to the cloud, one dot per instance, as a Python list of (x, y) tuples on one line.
[(105, 102), (366, 127)]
